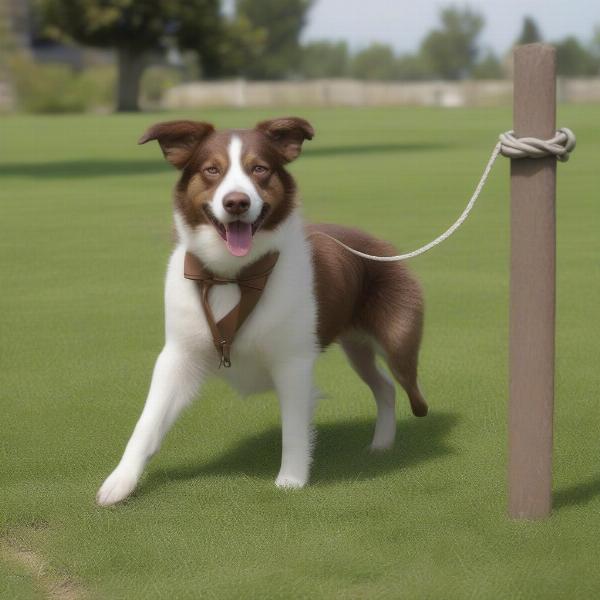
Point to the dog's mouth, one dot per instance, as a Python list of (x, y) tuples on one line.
[(237, 235)]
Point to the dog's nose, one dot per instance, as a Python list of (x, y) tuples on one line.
[(236, 203)]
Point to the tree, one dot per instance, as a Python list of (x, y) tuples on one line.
[(452, 49), (489, 67), (530, 33), (324, 59), (594, 50), (575, 60), (376, 62), (282, 22), (595, 47), (135, 29), (239, 44), (412, 67)]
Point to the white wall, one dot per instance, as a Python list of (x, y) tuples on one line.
[(351, 92)]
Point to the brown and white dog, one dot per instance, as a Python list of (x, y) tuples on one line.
[(235, 202)]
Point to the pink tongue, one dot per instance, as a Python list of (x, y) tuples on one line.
[(239, 238)]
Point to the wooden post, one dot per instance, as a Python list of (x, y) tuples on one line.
[(532, 289)]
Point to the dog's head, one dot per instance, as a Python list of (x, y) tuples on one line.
[(235, 180)]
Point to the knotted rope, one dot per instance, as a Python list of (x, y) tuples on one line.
[(560, 146)]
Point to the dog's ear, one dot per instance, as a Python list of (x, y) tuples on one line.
[(178, 139), (288, 134)]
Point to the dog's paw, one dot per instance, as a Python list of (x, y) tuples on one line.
[(289, 482), (118, 485)]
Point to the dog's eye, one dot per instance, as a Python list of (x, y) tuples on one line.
[(212, 170), (259, 170)]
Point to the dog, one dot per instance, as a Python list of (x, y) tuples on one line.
[(235, 204)]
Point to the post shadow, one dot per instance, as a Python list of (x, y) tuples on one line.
[(577, 494)]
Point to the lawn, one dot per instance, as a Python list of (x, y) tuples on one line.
[(85, 232)]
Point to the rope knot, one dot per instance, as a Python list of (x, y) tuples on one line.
[(559, 146)]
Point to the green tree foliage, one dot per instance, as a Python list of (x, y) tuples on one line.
[(489, 67), (413, 67), (575, 60), (595, 46), (452, 50), (325, 59), (238, 45), (135, 29), (530, 32), (57, 88), (376, 62), (281, 22)]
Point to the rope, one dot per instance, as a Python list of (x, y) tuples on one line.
[(560, 145), (508, 145)]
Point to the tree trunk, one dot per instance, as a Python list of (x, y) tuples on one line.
[(131, 66)]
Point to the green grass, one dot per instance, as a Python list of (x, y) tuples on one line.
[(84, 237)]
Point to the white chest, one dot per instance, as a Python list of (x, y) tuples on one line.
[(283, 323)]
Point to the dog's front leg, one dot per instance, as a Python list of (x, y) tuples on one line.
[(175, 381), (294, 385)]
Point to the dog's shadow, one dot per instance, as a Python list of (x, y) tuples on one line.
[(340, 453)]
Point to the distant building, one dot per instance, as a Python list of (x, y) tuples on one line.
[(26, 35), (19, 33)]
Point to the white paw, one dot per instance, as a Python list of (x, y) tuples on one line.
[(118, 485), (289, 482)]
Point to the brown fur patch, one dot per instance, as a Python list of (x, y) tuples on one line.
[(287, 134), (380, 300), (195, 188), (355, 293), (177, 139)]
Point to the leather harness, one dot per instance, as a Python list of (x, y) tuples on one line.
[(252, 280)]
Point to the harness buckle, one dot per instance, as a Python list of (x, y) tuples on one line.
[(225, 358)]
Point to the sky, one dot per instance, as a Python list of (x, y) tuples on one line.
[(403, 24)]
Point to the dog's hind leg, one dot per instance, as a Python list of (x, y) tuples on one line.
[(361, 354), (405, 372), (175, 381), (400, 347)]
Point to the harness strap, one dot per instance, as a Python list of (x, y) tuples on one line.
[(251, 280)]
